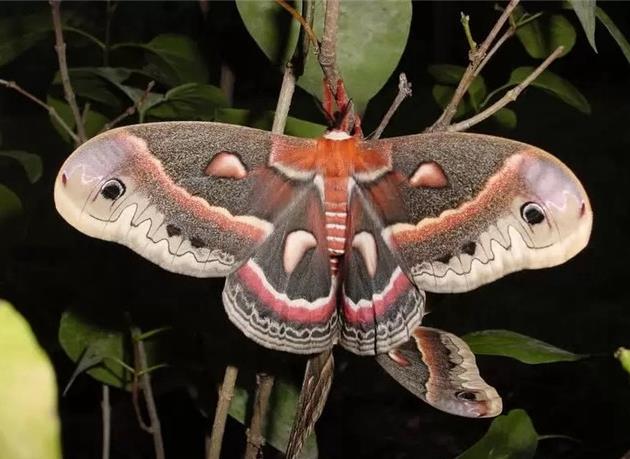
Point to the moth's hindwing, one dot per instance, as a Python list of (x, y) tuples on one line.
[(473, 208)]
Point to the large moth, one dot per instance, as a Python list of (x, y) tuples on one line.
[(331, 240)]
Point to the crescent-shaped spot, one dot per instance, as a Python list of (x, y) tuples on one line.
[(226, 165), (296, 245), (366, 245), (429, 175)]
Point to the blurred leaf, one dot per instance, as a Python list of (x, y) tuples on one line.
[(623, 355), (282, 405), (264, 120), (272, 27), (543, 35), (94, 121), (190, 101), (370, 41), (172, 59), (31, 163), (448, 74), (96, 83), (614, 32), (28, 393), (11, 212), (19, 33), (553, 84), (443, 94), (80, 338), (507, 343), (585, 11), (511, 436), (506, 118)]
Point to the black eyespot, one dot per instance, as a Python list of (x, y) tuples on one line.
[(445, 258), (532, 213), (173, 230), (469, 248), (113, 189), (197, 242), (466, 395)]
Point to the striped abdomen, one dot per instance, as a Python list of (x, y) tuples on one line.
[(336, 208)]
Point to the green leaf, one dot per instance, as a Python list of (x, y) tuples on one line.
[(94, 121), (272, 27), (623, 355), (28, 393), (80, 338), (282, 405), (506, 118), (585, 11), (554, 85), (614, 32), (98, 84), (523, 348), (543, 35), (370, 41), (264, 120), (511, 436), (192, 101), (443, 94), (172, 59), (19, 33), (10, 207), (448, 74), (31, 163)]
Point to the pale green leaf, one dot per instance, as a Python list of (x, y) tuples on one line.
[(511, 436), (371, 38), (282, 406), (272, 27), (31, 163), (29, 424), (585, 11), (623, 355), (543, 35), (614, 32), (554, 85), (523, 348)]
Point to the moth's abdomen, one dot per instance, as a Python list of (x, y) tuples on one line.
[(336, 211)]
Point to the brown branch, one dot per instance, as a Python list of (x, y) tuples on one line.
[(304, 22), (60, 48), (404, 91), (51, 111), (508, 97), (226, 392), (476, 57), (328, 48), (144, 377), (227, 79), (284, 100), (106, 418), (255, 438), (130, 110)]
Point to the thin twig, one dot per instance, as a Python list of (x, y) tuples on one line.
[(51, 111), (284, 100), (144, 377), (255, 438), (507, 34), (304, 22), (508, 97), (227, 79), (226, 392), (60, 48), (476, 57), (106, 415), (110, 8), (328, 48), (404, 91), (130, 110)]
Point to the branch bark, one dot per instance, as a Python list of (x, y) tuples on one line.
[(226, 392), (60, 48), (255, 437), (477, 57), (404, 91), (328, 47), (106, 418), (130, 110), (509, 96)]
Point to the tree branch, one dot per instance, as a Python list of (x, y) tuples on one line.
[(255, 438), (302, 20), (130, 110), (328, 47), (226, 392), (477, 56), (508, 97), (60, 48), (51, 111), (107, 421), (404, 91), (144, 378)]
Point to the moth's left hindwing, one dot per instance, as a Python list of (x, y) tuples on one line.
[(181, 194)]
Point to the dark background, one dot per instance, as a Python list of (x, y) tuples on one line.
[(47, 267)]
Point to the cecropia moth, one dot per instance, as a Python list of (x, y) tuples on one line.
[(329, 240)]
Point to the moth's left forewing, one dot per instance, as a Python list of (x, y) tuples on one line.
[(475, 207)]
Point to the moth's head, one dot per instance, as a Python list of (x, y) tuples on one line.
[(93, 182), (552, 209)]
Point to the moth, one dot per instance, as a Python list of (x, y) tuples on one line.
[(332, 240)]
